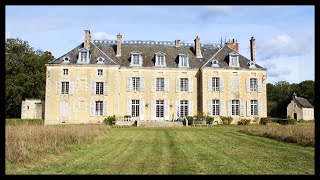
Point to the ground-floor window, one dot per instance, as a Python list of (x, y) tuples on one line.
[(184, 108), (254, 107), (159, 108), (235, 107), (99, 108), (135, 108), (215, 107)]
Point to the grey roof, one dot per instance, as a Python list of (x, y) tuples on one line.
[(302, 102), (107, 49)]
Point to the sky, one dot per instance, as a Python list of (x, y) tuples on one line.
[(284, 34)]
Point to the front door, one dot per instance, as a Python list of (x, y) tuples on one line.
[(295, 116)]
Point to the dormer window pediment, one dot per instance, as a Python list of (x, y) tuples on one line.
[(66, 59), (183, 60), (160, 59), (214, 63), (252, 64), (136, 58), (100, 59), (84, 56), (234, 59)]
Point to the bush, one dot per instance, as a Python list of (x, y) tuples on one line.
[(264, 121), (190, 120), (110, 120), (244, 122), (256, 119), (210, 119), (226, 120), (292, 121)]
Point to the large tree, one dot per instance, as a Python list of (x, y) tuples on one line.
[(25, 74)]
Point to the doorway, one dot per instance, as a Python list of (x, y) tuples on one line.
[(295, 116)]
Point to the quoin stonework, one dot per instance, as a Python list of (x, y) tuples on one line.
[(153, 80)]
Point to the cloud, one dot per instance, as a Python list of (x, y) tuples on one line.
[(276, 72), (283, 45), (103, 36)]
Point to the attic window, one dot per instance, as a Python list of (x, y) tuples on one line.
[(214, 63), (136, 59), (66, 59), (183, 60), (160, 59), (234, 59), (100, 59), (252, 64)]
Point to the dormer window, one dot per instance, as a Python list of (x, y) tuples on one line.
[(160, 59), (84, 56), (234, 59), (100, 59), (183, 60), (66, 59), (252, 64), (214, 63), (136, 59)]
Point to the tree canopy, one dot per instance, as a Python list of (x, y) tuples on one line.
[(25, 74)]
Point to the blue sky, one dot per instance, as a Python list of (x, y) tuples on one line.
[(284, 34)]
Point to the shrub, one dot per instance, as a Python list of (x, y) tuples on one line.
[(110, 120), (190, 120), (292, 121), (226, 120), (210, 119), (244, 122), (256, 119), (264, 121)]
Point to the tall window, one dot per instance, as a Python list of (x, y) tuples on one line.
[(83, 56), (100, 72), (253, 84), (135, 59), (184, 61), (235, 107), (184, 108), (161, 59), (160, 84), (183, 84), (215, 84), (215, 107), (135, 83), (254, 107), (99, 108), (65, 88), (135, 108), (65, 72), (159, 108), (99, 87), (233, 61)]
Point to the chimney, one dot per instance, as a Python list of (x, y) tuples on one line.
[(177, 42), (87, 39), (234, 45), (294, 96), (119, 39), (197, 47), (253, 49)]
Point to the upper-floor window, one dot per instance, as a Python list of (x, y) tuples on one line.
[(65, 72), (136, 59), (99, 87), (135, 83), (160, 84), (184, 84), (214, 63), (253, 84), (64, 87), (66, 59), (100, 72), (234, 59), (183, 60), (100, 59), (83, 57), (160, 59), (215, 84)]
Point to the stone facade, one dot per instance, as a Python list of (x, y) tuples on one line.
[(32, 109), (295, 111)]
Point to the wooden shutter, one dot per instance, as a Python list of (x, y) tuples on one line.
[(104, 108), (248, 84), (221, 108), (177, 113), (129, 111), (259, 108), (142, 103), (210, 84), (190, 108), (58, 86), (154, 84), (166, 84), (153, 109), (190, 85), (93, 88), (259, 85), (221, 84), (105, 88), (248, 108), (177, 84), (166, 109), (229, 108), (141, 84), (241, 108), (92, 108), (210, 107), (71, 87), (129, 84)]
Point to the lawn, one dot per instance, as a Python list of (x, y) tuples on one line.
[(183, 150)]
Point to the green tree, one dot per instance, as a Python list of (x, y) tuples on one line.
[(25, 74)]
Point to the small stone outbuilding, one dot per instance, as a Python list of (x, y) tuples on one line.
[(300, 109), (32, 109)]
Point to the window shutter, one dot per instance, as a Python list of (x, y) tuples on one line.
[(143, 102), (140, 60), (154, 83), (210, 84), (177, 109), (129, 84), (141, 84), (71, 87), (153, 109), (248, 85), (166, 109), (88, 57), (92, 108), (259, 108), (190, 84), (248, 108), (131, 62), (179, 65), (221, 108), (210, 107), (187, 61), (165, 63), (177, 84), (79, 57), (190, 108), (166, 84), (259, 86), (241, 108), (129, 112), (229, 108), (93, 88), (104, 108), (105, 88), (58, 85), (61, 108), (221, 84)]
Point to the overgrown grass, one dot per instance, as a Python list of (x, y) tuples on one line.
[(24, 122), (300, 133), (25, 142)]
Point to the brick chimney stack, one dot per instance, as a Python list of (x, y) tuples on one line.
[(253, 49), (177, 43), (119, 40), (197, 47), (87, 39), (234, 45)]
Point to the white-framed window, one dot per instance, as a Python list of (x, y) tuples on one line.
[(215, 84), (234, 59), (235, 107), (135, 59), (184, 84), (83, 57), (160, 84), (66, 59), (184, 61), (99, 87), (254, 107), (215, 107), (100, 72), (100, 59), (136, 83), (184, 111), (64, 87), (135, 106), (159, 108), (253, 84), (65, 72), (160, 59), (99, 108)]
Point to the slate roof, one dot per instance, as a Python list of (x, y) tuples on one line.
[(108, 51), (302, 102)]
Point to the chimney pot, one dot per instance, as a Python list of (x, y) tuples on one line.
[(232, 44), (177, 43)]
